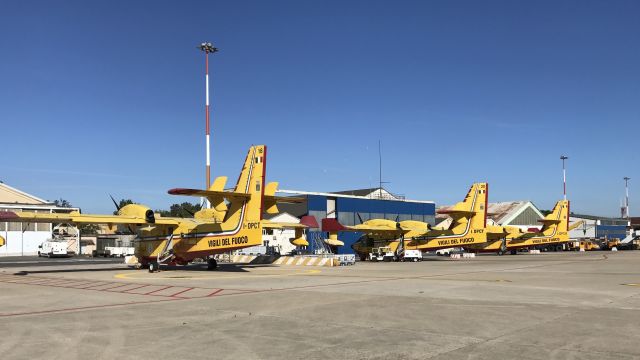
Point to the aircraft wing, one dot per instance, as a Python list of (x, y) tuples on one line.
[(575, 224), (282, 225), (73, 217), (376, 226), (230, 195), (305, 222)]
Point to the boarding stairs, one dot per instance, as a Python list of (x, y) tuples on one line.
[(633, 235)]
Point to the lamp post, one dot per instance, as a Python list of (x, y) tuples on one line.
[(207, 48), (626, 189), (564, 176)]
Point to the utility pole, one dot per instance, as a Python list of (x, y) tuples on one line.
[(564, 176), (380, 168), (207, 48)]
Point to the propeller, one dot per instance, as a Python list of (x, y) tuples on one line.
[(115, 203), (359, 218), (187, 211)]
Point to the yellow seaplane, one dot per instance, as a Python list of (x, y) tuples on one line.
[(555, 230), (467, 228), (233, 221)]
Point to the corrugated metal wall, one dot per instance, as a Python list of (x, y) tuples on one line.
[(611, 231), (348, 209), (527, 217)]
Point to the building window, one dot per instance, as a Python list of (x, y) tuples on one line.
[(14, 226), (346, 218), (44, 227)]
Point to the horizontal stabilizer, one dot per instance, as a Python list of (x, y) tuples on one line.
[(550, 221), (285, 199), (332, 225), (205, 193), (454, 212), (310, 221)]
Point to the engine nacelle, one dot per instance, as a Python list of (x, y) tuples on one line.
[(139, 211)]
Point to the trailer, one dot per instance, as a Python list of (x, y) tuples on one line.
[(119, 251), (383, 253), (412, 255)]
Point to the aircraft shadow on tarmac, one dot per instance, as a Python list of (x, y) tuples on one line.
[(58, 271), (222, 268)]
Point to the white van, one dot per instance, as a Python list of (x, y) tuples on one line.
[(53, 247)]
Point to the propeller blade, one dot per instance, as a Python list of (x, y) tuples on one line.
[(188, 211), (114, 202), (359, 217)]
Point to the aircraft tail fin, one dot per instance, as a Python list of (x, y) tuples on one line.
[(473, 209), (558, 219), (251, 183)]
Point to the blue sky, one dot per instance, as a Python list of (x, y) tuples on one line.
[(107, 97)]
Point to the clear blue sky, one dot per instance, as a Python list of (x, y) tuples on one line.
[(107, 97)]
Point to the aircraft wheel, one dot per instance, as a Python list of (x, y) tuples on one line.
[(415, 259), (153, 267), (514, 252), (212, 264), (500, 252)]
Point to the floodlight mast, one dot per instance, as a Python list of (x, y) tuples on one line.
[(207, 48), (564, 176), (626, 188)]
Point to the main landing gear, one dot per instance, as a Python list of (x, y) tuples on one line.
[(212, 264)]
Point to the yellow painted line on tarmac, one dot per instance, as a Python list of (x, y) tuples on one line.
[(161, 276)]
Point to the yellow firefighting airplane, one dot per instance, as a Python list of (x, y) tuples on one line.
[(555, 230), (468, 227), (233, 222)]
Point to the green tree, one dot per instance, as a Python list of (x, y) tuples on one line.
[(185, 210), (88, 229), (62, 203)]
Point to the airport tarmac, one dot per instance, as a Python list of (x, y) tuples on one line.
[(547, 306)]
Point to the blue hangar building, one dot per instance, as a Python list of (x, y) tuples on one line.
[(352, 205)]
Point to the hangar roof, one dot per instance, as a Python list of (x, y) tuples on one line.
[(508, 213), (11, 195)]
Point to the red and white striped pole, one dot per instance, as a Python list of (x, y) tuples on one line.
[(564, 176), (207, 48)]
